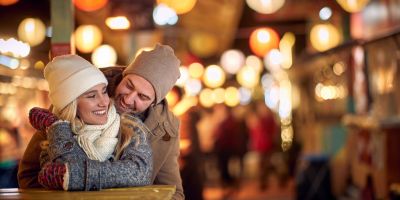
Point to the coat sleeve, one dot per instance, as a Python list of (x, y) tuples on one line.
[(133, 169), (169, 173), (29, 166)]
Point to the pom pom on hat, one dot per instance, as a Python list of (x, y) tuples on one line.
[(159, 66), (69, 76)]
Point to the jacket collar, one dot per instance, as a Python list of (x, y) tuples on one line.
[(159, 116)]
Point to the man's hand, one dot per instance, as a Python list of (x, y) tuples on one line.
[(41, 118), (52, 176)]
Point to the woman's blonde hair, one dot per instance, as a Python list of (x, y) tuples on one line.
[(69, 113)]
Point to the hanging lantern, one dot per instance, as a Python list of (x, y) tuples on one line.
[(196, 70), (255, 62), (180, 6), (32, 31), (324, 36), (90, 5), (104, 56), (262, 40), (232, 60), (353, 5), (265, 6), (214, 76), (205, 98), (87, 38), (248, 77), (232, 96), (7, 2)]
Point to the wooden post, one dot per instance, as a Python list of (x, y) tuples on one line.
[(62, 22)]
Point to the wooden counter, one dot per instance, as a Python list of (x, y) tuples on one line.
[(140, 193)]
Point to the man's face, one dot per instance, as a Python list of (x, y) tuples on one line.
[(134, 94)]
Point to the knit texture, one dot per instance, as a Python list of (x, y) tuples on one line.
[(52, 176), (133, 168), (68, 77), (159, 66), (99, 141), (41, 118)]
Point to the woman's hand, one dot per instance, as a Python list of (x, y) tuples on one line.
[(41, 118), (52, 176)]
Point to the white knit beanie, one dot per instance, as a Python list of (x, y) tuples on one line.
[(159, 66), (69, 76)]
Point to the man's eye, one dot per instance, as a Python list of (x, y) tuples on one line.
[(91, 96), (143, 97)]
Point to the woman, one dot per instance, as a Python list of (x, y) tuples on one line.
[(86, 145)]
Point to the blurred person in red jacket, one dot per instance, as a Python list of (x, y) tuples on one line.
[(262, 128)]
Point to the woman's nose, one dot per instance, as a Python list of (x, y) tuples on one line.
[(104, 100)]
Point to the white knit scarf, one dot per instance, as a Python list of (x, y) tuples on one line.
[(99, 141)]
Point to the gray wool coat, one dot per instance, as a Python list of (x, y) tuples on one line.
[(134, 168)]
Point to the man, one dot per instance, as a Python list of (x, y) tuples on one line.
[(139, 89)]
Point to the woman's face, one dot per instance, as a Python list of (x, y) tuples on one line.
[(93, 105)]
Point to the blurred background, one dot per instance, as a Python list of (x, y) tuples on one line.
[(278, 99)]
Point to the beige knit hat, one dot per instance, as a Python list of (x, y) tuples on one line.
[(69, 76), (159, 66)]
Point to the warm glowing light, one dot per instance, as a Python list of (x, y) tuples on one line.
[(273, 60), (172, 98), (338, 68), (232, 60), (353, 5), (214, 76), (193, 87), (325, 13), (90, 5), (39, 65), (218, 95), (324, 36), (9, 62), (255, 62), (265, 6), (14, 48), (184, 76), (180, 6), (286, 47), (184, 105), (87, 38), (263, 40), (118, 23), (245, 95), (32, 31), (248, 77), (7, 2), (205, 98), (272, 97), (163, 15), (196, 70), (104, 56), (232, 96), (328, 92)]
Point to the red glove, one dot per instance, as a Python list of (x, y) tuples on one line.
[(41, 118), (52, 176)]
